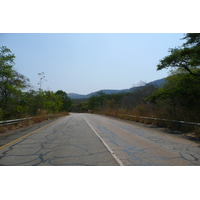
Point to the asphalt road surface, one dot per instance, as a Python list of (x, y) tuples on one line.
[(94, 140)]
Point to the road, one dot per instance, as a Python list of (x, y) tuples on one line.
[(95, 140)]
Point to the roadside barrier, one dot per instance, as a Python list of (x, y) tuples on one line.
[(16, 121), (166, 120), (123, 116)]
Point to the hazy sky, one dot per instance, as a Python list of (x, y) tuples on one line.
[(87, 62)]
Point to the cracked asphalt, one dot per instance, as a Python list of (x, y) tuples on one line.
[(76, 140)]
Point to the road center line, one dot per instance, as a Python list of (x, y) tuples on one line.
[(109, 149), (27, 134)]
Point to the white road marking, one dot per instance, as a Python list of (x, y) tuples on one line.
[(109, 149)]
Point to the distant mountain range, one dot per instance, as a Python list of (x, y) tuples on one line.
[(81, 96)]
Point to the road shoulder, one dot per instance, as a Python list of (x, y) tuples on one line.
[(13, 135)]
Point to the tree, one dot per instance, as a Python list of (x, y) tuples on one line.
[(179, 97), (42, 80), (52, 102), (101, 97), (97, 100), (41, 102), (11, 82), (138, 95), (181, 89), (185, 58), (6, 72), (66, 101)]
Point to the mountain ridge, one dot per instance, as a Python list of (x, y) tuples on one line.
[(158, 83)]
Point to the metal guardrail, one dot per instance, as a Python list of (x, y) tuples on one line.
[(166, 120), (158, 119), (16, 121)]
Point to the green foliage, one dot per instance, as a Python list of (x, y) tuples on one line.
[(82, 107), (180, 94), (102, 100), (52, 103), (11, 83), (65, 100), (46, 101), (186, 57), (14, 103), (181, 89), (94, 102)]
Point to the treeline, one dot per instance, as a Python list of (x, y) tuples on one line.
[(101, 102), (15, 103), (177, 99)]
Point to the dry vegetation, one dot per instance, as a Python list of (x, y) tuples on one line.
[(26, 123), (134, 115)]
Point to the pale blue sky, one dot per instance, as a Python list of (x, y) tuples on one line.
[(83, 63)]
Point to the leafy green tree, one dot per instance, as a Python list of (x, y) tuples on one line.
[(66, 101), (182, 89), (101, 97), (11, 83), (52, 102), (32, 102), (96, 100), (82, 107), (179, 96), (93, 102), (42, 102), (185, 58)]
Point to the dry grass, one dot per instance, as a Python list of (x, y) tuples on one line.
[(8, 128), (197, 132), (3, 129), (148, 112)]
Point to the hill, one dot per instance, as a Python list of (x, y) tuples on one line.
[(158, 83)]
